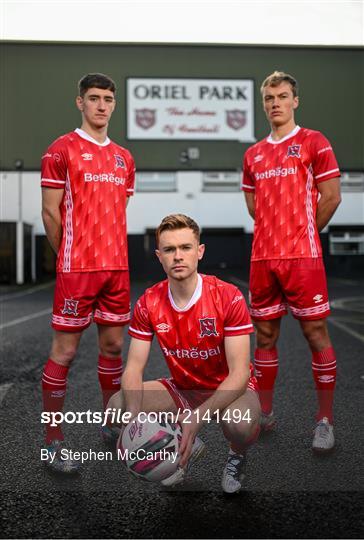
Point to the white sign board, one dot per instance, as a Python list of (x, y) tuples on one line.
[(198, 109)]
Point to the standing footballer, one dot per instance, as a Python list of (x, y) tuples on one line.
[(292, 189), (86, 182)]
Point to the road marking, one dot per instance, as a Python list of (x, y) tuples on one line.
[(239, 282), (346, 328), (26, 318), (344, 303), (349, 320), (20, 294), (4, 388), (341, 281)]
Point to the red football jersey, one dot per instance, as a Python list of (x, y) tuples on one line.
[(97, 179), (192, 339), (284, 176)]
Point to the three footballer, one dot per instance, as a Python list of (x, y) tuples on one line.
[(291, 184)]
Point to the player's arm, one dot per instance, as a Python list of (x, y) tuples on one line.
[(51, 215), (250, 202), (330, 199), (132, 379), (237, 351)]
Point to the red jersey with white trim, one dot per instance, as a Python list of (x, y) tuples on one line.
[(284, 176), (96, 179), (192, 338)]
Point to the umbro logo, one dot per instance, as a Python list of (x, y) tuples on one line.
[(318, 298), (58, 393), (163, 327), (326, 378), (258, 158), (236, 299), (87, 157)]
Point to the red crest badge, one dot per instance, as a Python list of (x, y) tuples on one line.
[(294, 150), (70, 307), (119, 162), (236, 119), (208, 327), (145, 118)]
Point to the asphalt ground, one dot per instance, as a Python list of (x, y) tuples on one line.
[(289, 492)]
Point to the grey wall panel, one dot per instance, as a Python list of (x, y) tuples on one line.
[(38, 87)]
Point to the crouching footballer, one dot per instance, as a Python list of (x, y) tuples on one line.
[(202, 326)]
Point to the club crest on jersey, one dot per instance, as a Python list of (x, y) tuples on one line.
[(208, 327), (70, 307), (119, 162), (145, 118), (236, 119), (294, 150)]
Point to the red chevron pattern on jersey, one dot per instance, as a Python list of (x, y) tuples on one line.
[(192, 339), (284, 176), (97, 179)]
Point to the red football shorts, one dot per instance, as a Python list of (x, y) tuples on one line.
[(191, 399), (299, 284), (80, 297)]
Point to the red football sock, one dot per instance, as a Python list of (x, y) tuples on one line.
[(54, 384), (109, 371), (324, 374), (266, 369)]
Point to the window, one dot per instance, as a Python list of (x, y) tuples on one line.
[(352, 182), (221, 181), (156, 181)]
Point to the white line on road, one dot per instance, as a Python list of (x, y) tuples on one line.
[(3, 390), (20, 294), (26, 318), (345, 303), (346, 328), (239, 282)]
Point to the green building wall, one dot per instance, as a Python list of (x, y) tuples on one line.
[(39, 84)]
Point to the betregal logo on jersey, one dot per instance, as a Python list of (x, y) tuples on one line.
[(108, 178), (274, 173)]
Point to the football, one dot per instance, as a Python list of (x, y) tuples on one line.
[(149, 450)]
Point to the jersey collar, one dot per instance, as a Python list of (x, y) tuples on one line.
[(196, 296), (292, 134), (87, 137)]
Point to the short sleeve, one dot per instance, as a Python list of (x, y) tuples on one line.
[(324, 162), (237, 320), (247, 179), (130, 182), (54, 167), (140, 327)]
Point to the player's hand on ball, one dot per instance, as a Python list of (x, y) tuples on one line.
[(190, 428)]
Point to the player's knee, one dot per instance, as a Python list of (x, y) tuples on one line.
[(63, 354), (267, 336), (316, 333), (111, 347), (240, 433)]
